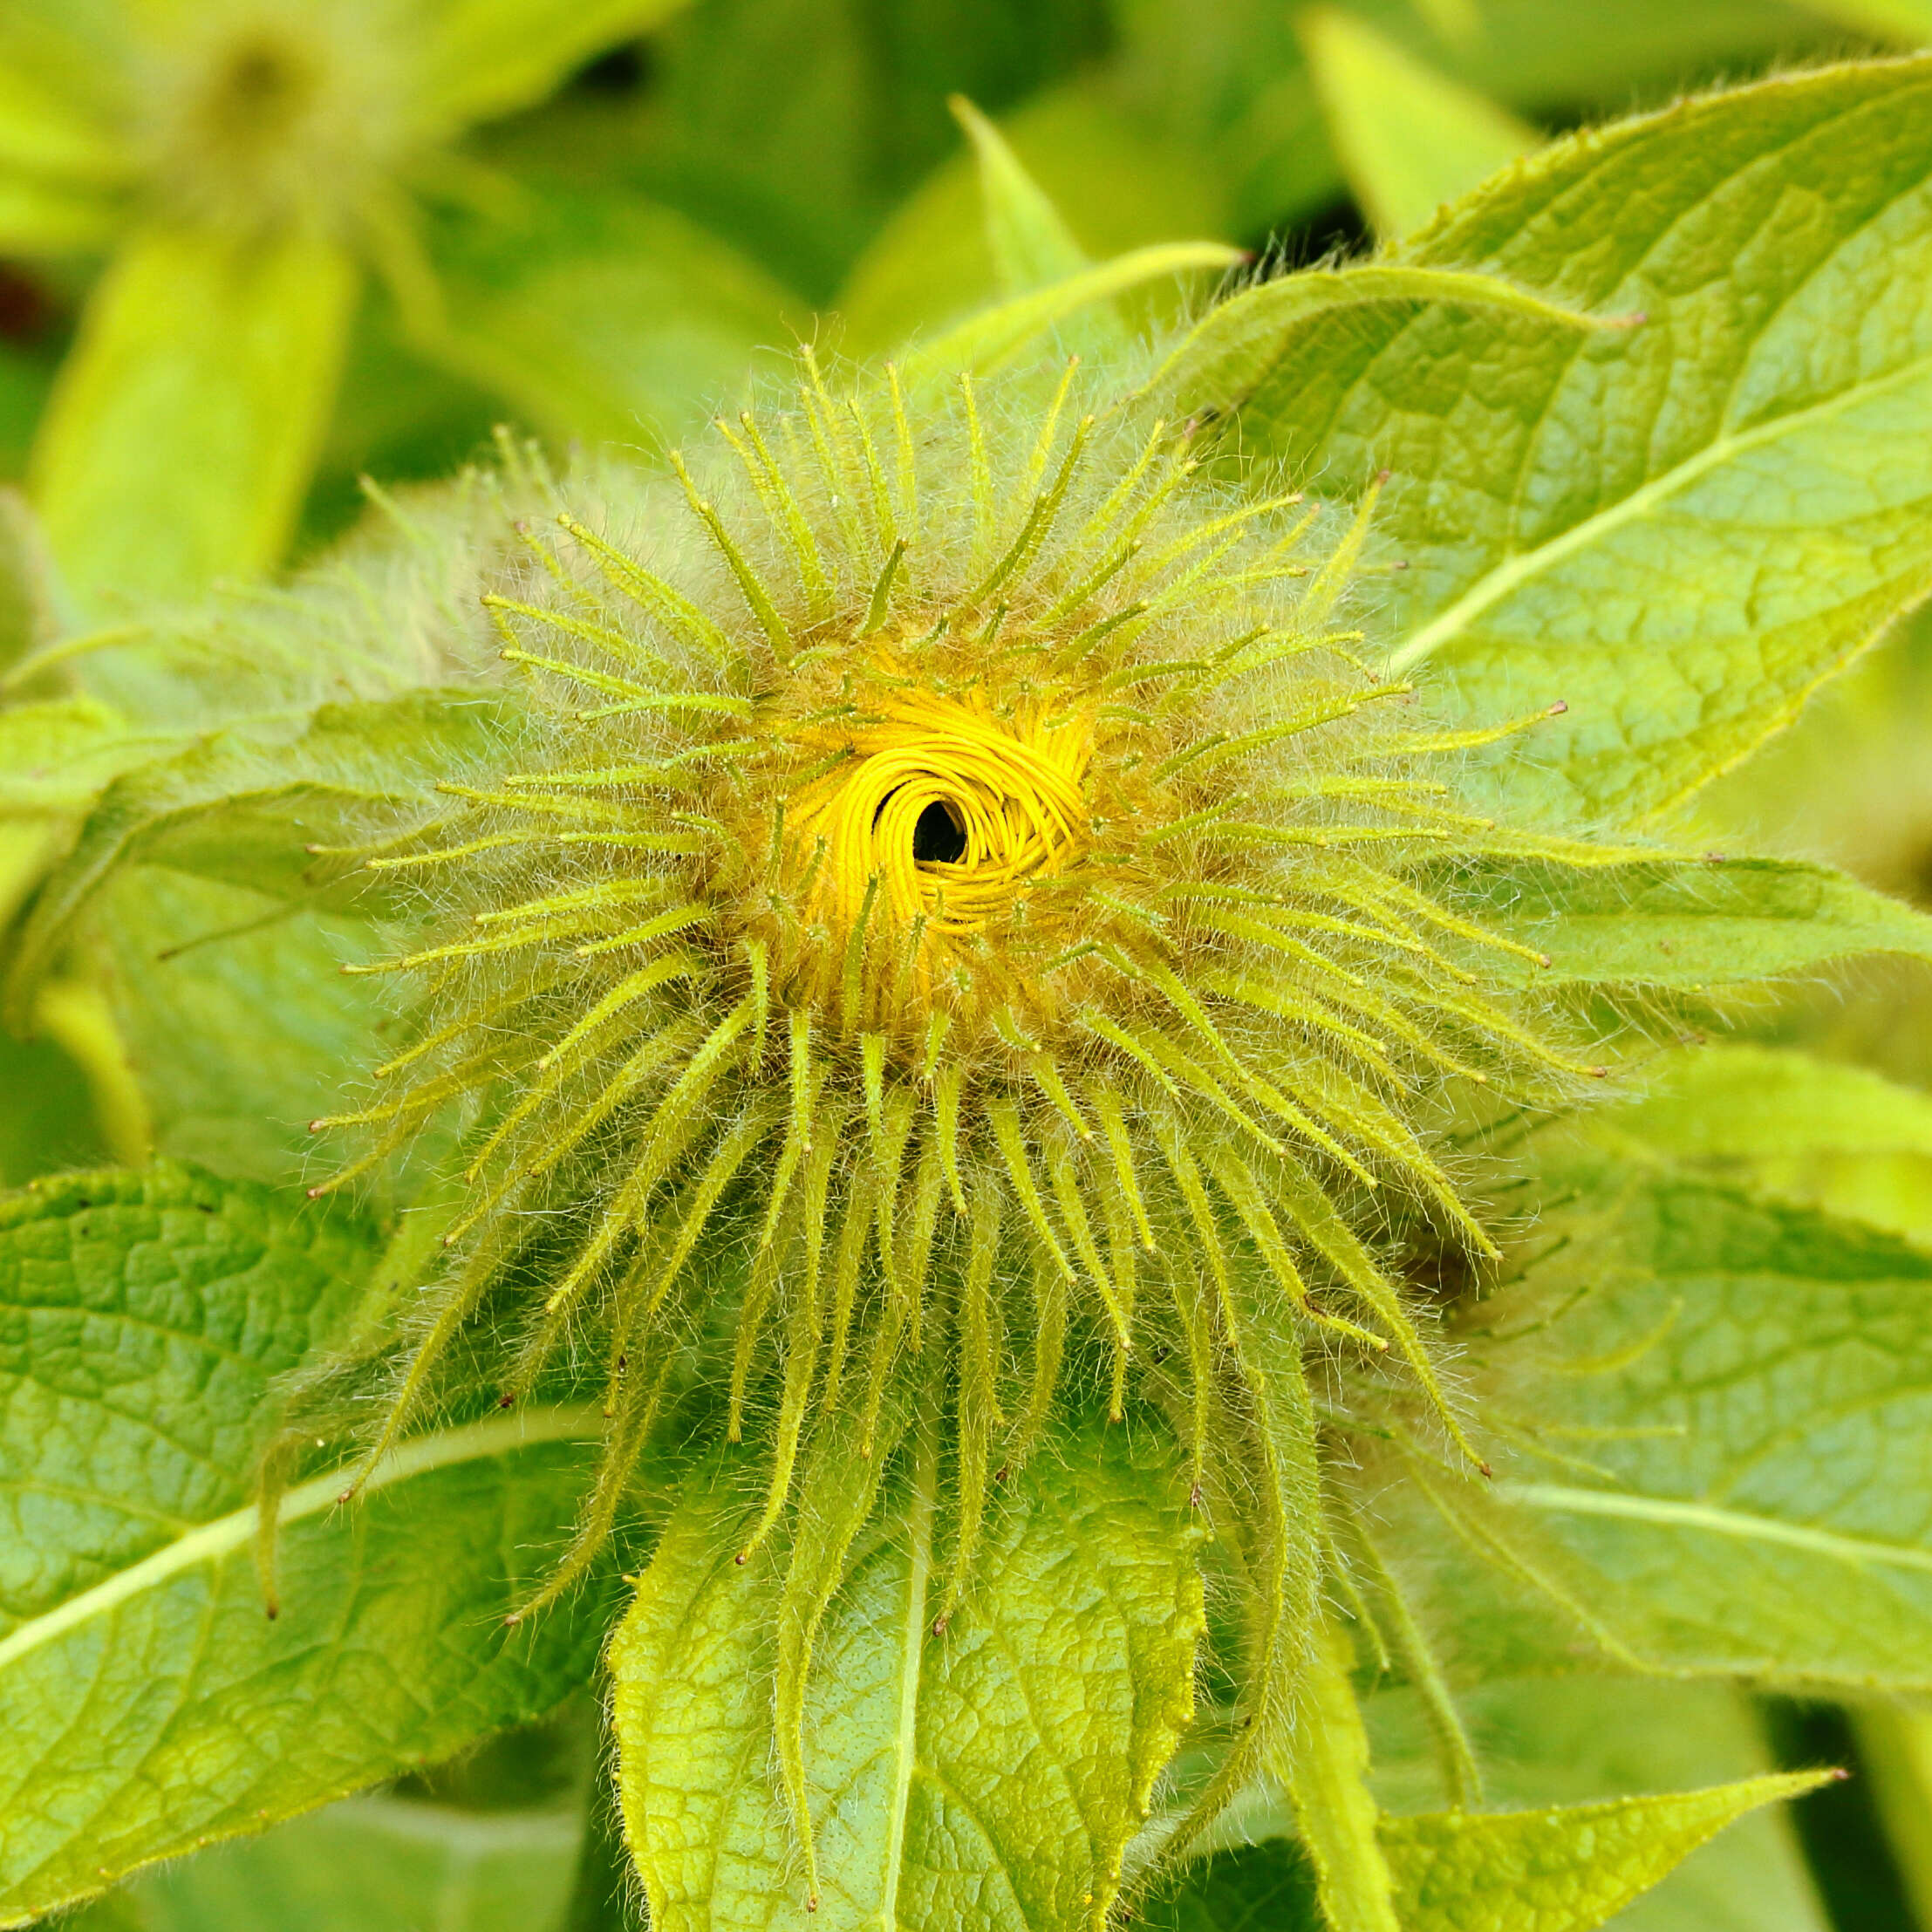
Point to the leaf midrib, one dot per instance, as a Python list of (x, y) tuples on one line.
[(1496, 585), (211, 1541), (1740, 1525), (905, 1738)]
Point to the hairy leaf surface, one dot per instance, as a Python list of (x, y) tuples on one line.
[(1683, 529), (147, 1705), (987, 1776), (1718, 1412)]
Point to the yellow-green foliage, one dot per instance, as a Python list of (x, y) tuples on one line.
[(957, 869)]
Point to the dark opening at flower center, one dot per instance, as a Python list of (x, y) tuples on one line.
[(939, 835)]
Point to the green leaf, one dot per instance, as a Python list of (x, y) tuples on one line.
[(1407, 139), (180, 435), (1030, 243), (46, 1121), (1115, 186), (56, 754), (1683, 530), (1230, 356), (1908, 23), (988, 1775), (1832, 1136), (147, 1705), (1326, 1767), (43, 218), (1687, 923), (45, 133), (1567, 1869), (483, 58), (27, 618), (1895, 1744), (369, 1864), (237, 1018), (1576, 1738), (597, 313), (287, 811), (1002, 335), (1718, 1411)]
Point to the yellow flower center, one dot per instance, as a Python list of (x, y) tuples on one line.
[(950, 808)]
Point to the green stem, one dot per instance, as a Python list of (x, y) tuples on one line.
[(1325, 1765)]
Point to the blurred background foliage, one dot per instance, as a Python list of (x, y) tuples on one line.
[(253, 252)]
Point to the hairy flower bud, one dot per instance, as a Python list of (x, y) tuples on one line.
[(958, 867)]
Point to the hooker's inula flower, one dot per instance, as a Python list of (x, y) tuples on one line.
[(957, 870)]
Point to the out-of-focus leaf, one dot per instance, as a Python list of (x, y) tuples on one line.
[(184, 423), (365, 1865), (56, 754), (1408, 138), (1835, 1136), (44, 218), (1684, 529), (601, 314), (1688, 924), (1718, 1412), (1908, 23), (27, 618), (989, 1775), (1002, 335), (801, 173), (147, 1706), (76, 1017), (1114, 188), (1029, 241), (46, 1121), (1896, 1743), (1228, 82), (43, 133), (485, 57)]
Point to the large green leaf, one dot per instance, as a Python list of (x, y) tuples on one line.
[(1408, 138), (1717, 1414), (1835, 1136), (1687, 924), (1680, 530), (147, 1703), (180, 435), (988, 1775), (1565, 1869)]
